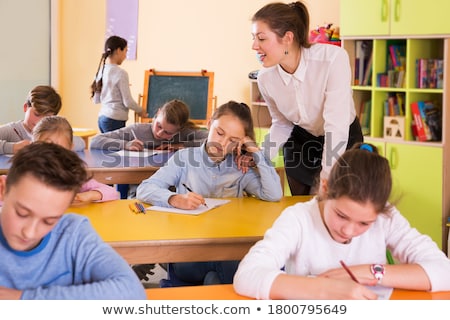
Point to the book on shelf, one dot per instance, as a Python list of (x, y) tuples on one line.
[(363, 57), (364, 116), (418, 123), (397, 55), (427, 121), (430, 73)]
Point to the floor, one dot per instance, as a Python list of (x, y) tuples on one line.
[(150, 274)]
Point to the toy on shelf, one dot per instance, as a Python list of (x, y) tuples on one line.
[(325, 34)]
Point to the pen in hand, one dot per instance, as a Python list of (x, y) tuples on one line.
[(134, 134), (17, 132), (349, 271), (190, 190)]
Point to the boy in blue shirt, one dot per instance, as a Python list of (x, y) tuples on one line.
[(47, 254)]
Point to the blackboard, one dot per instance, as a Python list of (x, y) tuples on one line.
[(194, 88)]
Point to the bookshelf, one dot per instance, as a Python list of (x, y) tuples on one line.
[(260, 112), (420, 170)]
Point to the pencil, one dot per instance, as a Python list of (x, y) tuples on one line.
[(134, 134), (190, 190), (17, 132), (349, 271)]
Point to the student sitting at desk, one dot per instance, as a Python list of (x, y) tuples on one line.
[(47, 254), (350, 222), (170, 129), (213, 170), (42, 101), (57, 129)]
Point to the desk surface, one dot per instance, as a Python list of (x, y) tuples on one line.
[(226, 292), (109, 168), (224, 233)]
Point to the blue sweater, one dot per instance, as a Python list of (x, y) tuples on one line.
[(212, 180), (71, 262)]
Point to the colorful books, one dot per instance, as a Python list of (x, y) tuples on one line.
[(419, 123)]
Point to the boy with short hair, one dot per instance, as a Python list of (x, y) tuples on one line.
[(47, 254), (42, 101)]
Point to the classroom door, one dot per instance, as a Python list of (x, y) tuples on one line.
[(25, 60)]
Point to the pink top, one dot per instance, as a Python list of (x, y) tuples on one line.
[(108, 192)]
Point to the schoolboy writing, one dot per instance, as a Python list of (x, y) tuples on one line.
[(350, 221), (42, 101), (57, 129), (47, 254), (211, 170), (170, 128)]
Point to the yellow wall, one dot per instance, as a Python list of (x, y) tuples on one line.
[(176, 35)]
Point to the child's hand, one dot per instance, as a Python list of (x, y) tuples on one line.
[(187, 201), (9, 294), (134, 145), (19, 145), (86, 197), (245, 160), (361, 272), (170, 146)]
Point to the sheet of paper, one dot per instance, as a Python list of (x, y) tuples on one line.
[(137, 154), (384, 293), (210, 202)]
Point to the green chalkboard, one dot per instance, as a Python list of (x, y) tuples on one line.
[(194, 88)]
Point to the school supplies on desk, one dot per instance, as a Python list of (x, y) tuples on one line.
[(139, 154), (190, 190), (211, 203), (137, 207)]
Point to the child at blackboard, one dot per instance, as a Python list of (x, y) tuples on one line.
[(213, 170), (353, 222), (45, 252), (111, 87)]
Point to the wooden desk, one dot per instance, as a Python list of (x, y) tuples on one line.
[(224, 233), (108, 168), (85, 134), (226, 292)]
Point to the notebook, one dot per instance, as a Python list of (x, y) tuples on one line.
[(210, 202)]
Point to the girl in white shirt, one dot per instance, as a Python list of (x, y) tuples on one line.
[(307, 88), (299, 257)]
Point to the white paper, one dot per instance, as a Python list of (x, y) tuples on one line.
[(210, 202), (384, 293), (137, 154)]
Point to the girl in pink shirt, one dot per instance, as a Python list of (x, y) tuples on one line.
[(56, 129)]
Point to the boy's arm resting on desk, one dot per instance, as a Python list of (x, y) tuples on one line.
[(8, 137), (87, 268), (117, 139), (263, 181)]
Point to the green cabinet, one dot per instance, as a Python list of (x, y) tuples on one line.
[(421, 176), (417, 185), (394, 17)]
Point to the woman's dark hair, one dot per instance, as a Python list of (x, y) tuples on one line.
[(239, 110), (282, 17), (111, 45), (362, 175)]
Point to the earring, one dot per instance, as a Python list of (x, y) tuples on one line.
[(286, 52)]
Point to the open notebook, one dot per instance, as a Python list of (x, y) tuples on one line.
[(210, 202), (137, 154)]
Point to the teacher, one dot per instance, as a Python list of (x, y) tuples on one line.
[(307, 88)]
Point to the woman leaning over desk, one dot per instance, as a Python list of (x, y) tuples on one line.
[(307, 88)]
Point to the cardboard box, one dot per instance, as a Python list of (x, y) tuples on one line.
[(394, 128)]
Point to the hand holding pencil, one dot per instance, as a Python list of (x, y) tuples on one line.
[(187, 201)]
